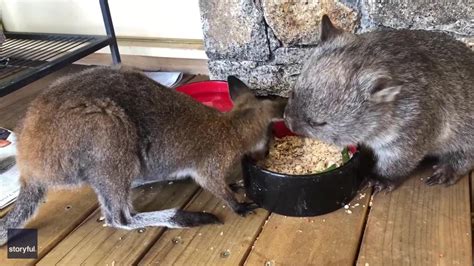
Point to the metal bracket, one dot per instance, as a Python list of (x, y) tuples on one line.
[(109, 29)]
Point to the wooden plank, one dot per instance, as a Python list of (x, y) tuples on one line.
[(62, 212), (190, 66), (5, 211), (471, 179), (419, 225), (156, 42), (198, 78), (93, 244), (331, 239), (226, 244)]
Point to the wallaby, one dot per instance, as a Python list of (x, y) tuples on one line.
[(116, 128), (405, 94)]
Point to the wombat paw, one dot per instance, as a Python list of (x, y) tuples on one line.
[(243, 209), (443, 174), (381, 184)]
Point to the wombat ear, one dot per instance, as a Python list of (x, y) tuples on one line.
[(237, 88), (385, 91), (328, 30)]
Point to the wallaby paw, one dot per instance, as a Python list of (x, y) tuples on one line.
[(245, 208), (237, 186), (191, 219), (443, 174)]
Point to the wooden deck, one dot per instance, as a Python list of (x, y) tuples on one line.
[(414, 225)]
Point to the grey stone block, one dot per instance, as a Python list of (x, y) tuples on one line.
[(455, 17), (273, 40), (265, 79), (234, 29), (297, 22), (287, 55), (262, 78)]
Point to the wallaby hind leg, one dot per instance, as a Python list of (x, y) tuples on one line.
[(114, 201), (118, 214), (115, 205)]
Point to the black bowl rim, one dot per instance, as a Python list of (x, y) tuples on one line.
[(306, 176)]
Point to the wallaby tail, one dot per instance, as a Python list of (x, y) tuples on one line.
[(171, 218), (24, 208)]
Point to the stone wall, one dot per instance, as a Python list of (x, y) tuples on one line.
[(265, 42)]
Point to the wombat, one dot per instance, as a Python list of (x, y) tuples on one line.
[(404, 94), (114, 128)]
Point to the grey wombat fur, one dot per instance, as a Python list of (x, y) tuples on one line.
[(111, 128), (405, 94)]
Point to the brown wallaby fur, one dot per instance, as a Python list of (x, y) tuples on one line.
[(116, 128)]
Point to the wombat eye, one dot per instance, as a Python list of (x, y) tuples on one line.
[(319, 124), (316, 124)]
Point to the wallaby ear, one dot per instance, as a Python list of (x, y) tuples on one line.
[(384, 91), (328, 30), (237, 88)]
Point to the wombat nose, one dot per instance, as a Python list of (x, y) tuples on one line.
[(288, 122)]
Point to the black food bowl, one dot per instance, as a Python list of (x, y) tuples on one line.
[(302, 195)]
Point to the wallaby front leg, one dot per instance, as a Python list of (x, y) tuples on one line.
[(220, 189)]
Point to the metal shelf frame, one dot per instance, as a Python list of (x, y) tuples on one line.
[(26, 57)]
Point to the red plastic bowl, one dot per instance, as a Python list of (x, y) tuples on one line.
[(211, 93)]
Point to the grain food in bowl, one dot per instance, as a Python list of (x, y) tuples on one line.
[(301, 156)]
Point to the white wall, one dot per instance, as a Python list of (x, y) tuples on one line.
[(137, 18), (142, 18)]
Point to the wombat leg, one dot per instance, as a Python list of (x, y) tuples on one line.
[(392, 168), (451, 168), (443, 173)]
